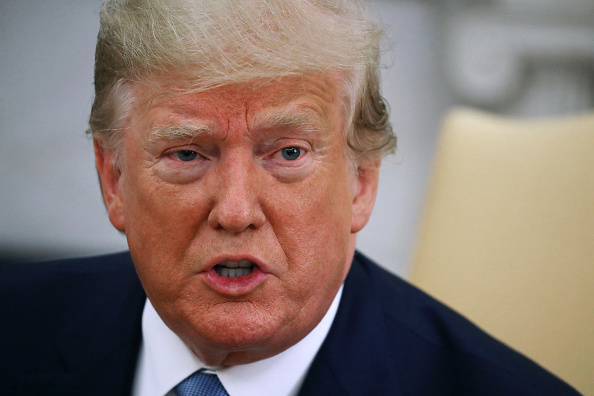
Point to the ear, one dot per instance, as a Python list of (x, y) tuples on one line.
[(109, 177), (365, 193)]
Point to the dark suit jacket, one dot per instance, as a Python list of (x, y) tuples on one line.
[(72, 327)]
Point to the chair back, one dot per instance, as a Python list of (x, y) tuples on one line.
[(507, 236)]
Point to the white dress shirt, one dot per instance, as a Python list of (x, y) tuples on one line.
[(165, 361)]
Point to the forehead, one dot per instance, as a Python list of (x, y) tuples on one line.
[(294, 100)]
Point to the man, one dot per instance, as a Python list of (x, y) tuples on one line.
[(238, 145)]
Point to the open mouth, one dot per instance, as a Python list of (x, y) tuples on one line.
[(231, 269)]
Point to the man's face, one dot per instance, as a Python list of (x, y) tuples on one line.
[(246, 180)]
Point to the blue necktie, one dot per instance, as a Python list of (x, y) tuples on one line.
[(201, 384)]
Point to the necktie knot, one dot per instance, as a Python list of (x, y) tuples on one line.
[(201, 384)]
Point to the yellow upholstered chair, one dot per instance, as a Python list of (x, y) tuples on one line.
[(507, 236)]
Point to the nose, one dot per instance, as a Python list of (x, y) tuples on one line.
[(236, 206)]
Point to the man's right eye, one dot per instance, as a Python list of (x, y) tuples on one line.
[(291, 153), (186, 155)]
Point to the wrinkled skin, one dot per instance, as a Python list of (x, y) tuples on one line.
[(264, 177)]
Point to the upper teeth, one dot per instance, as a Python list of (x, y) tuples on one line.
[(233, 268)]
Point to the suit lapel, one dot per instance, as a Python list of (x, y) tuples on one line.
[(355, 358), (99, 346), (107, 327)]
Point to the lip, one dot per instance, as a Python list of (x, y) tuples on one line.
[(236, 286)]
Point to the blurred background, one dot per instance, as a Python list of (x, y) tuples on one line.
[(522, 58)]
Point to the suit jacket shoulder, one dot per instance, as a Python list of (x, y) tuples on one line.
[(390, 338), (70, 326)]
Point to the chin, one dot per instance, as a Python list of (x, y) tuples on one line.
[(234, 327)]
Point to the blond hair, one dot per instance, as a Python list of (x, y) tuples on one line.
[(211, 43)]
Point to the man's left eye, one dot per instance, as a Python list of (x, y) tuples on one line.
[(291, 153), (186, 155)]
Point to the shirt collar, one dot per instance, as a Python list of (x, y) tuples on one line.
[(165, 361)]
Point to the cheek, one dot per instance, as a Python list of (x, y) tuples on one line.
[(313, 229), (161, 223), (160, 210)]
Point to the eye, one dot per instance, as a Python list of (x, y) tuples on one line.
[(291, 153), (186, 155)]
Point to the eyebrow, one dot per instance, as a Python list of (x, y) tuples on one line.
[(177, 132), (289, 119)]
